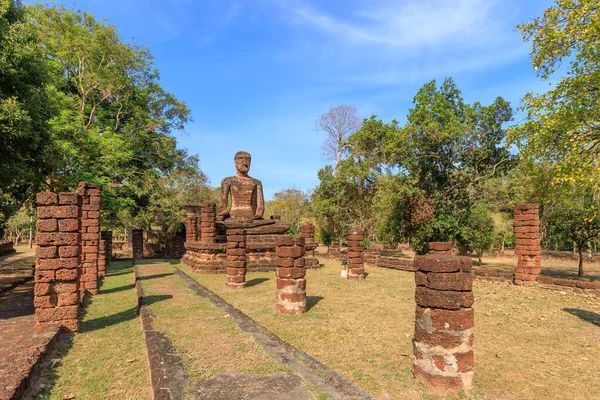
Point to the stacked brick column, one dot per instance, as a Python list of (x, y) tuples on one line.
[(57, 263), (236, 258), (137, 244), (440, 248), (107, 236), (291, 285), (90, 235), (443, 352), (527, 243), (208, 219), (102, 259), (356, 250), (308, 233), (192, 224), (334, 251)]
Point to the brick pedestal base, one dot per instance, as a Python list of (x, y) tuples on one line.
[(356, 250), (291, 285), (527, 244), (444, 248), (236, 259), (444, 324)]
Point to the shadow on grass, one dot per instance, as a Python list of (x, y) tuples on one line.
[(117, 289), (588, 316), (312, 301), (145, 278), (126, 315), (256, 281)]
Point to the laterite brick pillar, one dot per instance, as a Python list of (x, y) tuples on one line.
[(308, 233), (192, 223), (444, 324), (90, 236), (236, 259), (208, 220), (102, 259), (356, 251), (334, 251), (137, 244), (107, 236), (528, 246), (440, 248), (291, 285), (58, 261)]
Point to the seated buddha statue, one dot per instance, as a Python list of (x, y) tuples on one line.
[(247, 204)]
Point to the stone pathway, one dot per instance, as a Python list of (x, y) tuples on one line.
[(170, 381)]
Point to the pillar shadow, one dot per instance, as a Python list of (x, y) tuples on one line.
[(126, 315), (116, 289), (588, 316), (312, 301), (256, 281), (145, 278)]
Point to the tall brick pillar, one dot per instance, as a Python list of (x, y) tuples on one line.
[(57, 263), (444, 324), (102, 259), (440, 248), (137, 244), (356, 250), (291, 285), (236, 258), (90, 235), (107, 236), (192, 223), (308, 233), (528, 246), (208, 220)]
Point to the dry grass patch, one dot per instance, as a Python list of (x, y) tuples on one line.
[(530, 343), (208, 340), (107, 359)]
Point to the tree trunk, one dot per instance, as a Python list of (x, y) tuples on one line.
[(589, 251), (503, 241), (580, 273)]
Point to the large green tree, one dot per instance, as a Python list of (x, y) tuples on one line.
[(563, 125)]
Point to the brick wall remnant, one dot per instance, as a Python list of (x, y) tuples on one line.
[(91, 194), (440, 248), (356, 249), (291, 284), (107, 236), (528, 247), (208, 218), (137, 244), (444, 324), (57, 266), (236, 259)]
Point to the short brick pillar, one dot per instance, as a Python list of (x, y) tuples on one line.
[(236, 259), (58, 261), (444, 324), (137, 244), (528, 248), (208, 219), (308, 233), (334, 251), (192, 223), (356, 249), (102, 259), (291, 285), (440, 248), (91, 194), (107, 236)]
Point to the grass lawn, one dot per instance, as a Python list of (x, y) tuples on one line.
[(530, 343), (107, 359), (208, 340)]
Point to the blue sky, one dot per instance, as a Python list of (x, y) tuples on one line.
[(258, 73)]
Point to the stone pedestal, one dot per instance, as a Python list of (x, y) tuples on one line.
[(137, 244), (444, 248), (334, 251), (444, 324), (356, 249), (57, 266), (208, 220), (291, 285), (528, 247), (107, 236), (236, 259), (90, 235)]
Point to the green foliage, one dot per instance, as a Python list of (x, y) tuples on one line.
[(562, 124), (480, 234), (292, 205), (324, 236)]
